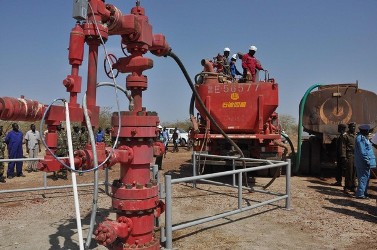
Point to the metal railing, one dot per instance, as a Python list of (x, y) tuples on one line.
[(167, 232), (45, 186)]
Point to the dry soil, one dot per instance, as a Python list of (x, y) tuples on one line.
[(322, 216)]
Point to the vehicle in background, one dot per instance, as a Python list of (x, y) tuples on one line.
[(183, 136), (324, 109)]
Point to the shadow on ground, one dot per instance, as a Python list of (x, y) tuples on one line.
[(68, 230)]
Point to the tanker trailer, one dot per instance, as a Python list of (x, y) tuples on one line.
[(244, 112), (324, 109)]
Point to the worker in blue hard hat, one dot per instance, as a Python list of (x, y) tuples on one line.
[(364, 160)]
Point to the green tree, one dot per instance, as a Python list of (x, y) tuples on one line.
[(105, 117), (288, 124)]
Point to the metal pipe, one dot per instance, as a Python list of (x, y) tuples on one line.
[(288, 185), (239, 190), (28, 159), (73, 177), (207, 176), (208, 219), (92, 72), (233, 176), (45, 188), (168, 213), (194, 168), (237, 158), (244, 188)]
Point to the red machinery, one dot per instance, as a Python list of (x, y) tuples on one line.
[(134, 194), (244, 111)]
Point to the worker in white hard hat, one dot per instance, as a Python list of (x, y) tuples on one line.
[(250, 64), (233, 68), (226, 62)]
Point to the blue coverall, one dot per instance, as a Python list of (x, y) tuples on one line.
[(364, 161), (14, 142)]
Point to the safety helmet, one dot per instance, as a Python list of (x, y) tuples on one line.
[(234, 56), (252, 47), (226, 49), (159, 126)]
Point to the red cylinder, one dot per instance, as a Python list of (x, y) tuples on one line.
[(76, 45)]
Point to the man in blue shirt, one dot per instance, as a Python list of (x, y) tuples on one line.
[(233, 68), (14, 142), (364, 160), (99, 135)]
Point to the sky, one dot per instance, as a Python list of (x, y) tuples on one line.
[(300, 43)]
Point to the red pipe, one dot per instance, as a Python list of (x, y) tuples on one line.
[(91, 91)]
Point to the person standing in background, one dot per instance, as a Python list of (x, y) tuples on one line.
[(165, 135), (76, 145), (107, 139), (14, 141), (175, 139), (33, 147), (61, 149), (348, 153), (99, 135), (2, 150), (364, 161), (340, 155), (84, 137)]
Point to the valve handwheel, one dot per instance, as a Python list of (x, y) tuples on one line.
[(112, 60), (124, 48)]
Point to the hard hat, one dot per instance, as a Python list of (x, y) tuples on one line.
[(159, 126), (234, 56), (252, 47), (226, 49)]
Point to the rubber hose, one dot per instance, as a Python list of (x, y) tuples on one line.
[(299, 132)]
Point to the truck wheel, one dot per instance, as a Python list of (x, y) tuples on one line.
[(182, 142)]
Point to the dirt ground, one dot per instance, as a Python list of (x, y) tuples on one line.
[(322, 217)]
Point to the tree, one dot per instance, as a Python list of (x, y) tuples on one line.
[(105, 117), (288, 124)]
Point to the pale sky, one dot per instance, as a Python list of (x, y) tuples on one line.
[(300, 43)]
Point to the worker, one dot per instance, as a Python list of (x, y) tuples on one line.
[(340, 155), (2, 150), (61, 150), (175, 139), (226, 69), (233, 68), (250, 64), (165, 135), (84, 137), (14, 141), (99, 135), (348, 151), (33, 147), (364, 161), (107, 139), (76, 145), (160, 138)]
